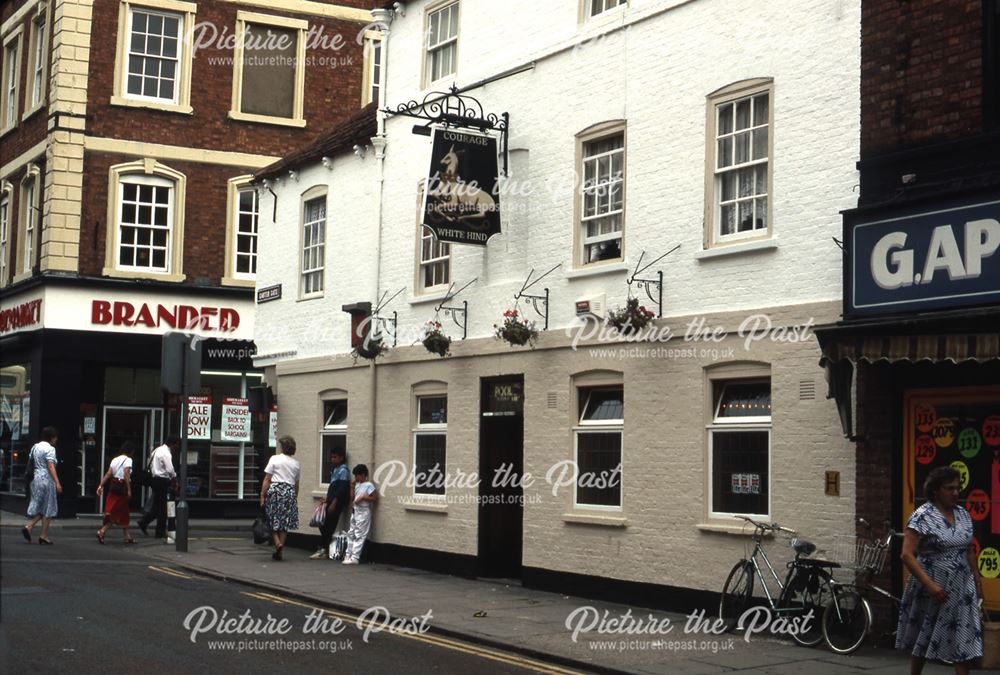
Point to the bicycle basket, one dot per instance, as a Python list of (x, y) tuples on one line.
[(856, 553)]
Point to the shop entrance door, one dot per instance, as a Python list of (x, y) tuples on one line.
[(501, 470), (142, 426)]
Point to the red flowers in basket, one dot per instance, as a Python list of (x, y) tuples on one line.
[(515, 329), (631, 318)]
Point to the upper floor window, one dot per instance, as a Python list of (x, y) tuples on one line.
[(146, 205), (602, 6), (602, 198), (269, 69), (598, 437), (435, 261), (4, 234), (442, 42), (373, 70), (153, 64), (313, 245), (37, 65), (241, 232), (739, 157), (10, 80), (740, 447)]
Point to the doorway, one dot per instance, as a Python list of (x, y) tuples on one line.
[(501, 470), (142, 426)]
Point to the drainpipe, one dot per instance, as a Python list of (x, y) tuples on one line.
[(383, 17)]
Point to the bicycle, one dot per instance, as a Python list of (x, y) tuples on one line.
[(847, 622), (808, 585)]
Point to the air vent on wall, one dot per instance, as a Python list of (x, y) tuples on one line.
[(551, 399), (807, 390)]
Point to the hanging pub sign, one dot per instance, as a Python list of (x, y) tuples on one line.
[(462, 195)]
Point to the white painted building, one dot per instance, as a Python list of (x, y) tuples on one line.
[(728, 131)]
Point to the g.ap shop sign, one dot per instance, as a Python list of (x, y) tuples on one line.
[(462, 194), (235, 420), (943, 258)]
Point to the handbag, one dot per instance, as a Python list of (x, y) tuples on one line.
[(146, 479), (118, 486), (261, 529), (319, 516), (991, 644)]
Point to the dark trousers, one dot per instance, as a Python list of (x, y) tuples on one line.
[(329, 527), (160, 486)]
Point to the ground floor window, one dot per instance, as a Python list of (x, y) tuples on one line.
[(15, 417), (740, 448)]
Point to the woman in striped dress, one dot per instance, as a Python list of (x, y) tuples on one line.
[(45, 486)]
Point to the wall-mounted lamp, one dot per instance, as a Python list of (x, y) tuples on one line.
[(294, 176), (360, 150), (399, 8), (327, 162)]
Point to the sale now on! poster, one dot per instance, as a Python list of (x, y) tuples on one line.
[(199, 418)]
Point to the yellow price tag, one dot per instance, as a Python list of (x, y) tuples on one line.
[(963, 473), (989, 563)]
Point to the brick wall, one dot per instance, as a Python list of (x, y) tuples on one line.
[(921, 73)]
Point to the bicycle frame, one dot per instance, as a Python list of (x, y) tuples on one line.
[(780, 604)]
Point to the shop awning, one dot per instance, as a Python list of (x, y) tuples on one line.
[(970, 336)]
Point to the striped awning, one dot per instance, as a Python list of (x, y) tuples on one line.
[(916, 348)]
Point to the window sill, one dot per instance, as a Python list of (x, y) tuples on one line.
[(266, 119), (729, 528), (6, 131), (596, 269), (29, 113), (307, 298), (425, 507), (18, 278), (757, 246), (152, 105), (436, 296), (245, 283), (121, 274), (588, 519)]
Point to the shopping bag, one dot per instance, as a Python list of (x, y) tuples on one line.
[(319, 516), (261, 529), (991, 644), (338, 547)]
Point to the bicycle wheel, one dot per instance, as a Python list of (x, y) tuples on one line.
[(808, 591), (847, 620), (736, 594)]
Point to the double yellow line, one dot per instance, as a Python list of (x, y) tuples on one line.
[(170, 572), (454, 645)]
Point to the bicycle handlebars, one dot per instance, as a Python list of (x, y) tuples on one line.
[(767, 527)]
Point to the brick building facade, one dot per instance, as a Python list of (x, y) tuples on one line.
[(133, 127), (918, 346)]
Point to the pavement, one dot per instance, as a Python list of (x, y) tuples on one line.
[(502, 614)]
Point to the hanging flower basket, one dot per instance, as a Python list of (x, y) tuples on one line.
[(370, 348), (434, 340), (515, 329), (631, 318)]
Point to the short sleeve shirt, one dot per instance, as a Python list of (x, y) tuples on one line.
[(283, 469), (118, 466)]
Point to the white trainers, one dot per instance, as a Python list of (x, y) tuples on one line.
[(319, 554), (349, 561)]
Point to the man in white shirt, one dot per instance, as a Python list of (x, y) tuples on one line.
[(162, 474)]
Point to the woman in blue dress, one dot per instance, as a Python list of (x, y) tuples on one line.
[(939, 613), (45, 486)]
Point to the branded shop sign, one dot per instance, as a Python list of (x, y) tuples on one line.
[(462, 195), (944, 257)]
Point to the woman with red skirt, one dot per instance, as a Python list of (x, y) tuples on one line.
[(118, 480)]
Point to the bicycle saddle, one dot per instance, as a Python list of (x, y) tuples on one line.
[(803, 547)]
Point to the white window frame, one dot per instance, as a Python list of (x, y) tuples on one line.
[(185, 13), (596, 134), (728, 96), (719, 425), (442, 261), (430, 429), (312, 195), (29, 223), (372, 75), (606, 7), (38, 63), (331, 429), (150, 181), (234, 189), (301, 26), (611, 426), (175, 251), (450, 42), (11, 80), (5, 224)]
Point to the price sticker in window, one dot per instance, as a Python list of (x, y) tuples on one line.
[(978, 505), (989, 563), (991, 430), (944, 432), (969, 443), (926, 417), (963, 473), (926, 450)]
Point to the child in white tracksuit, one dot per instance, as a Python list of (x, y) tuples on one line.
[(364, 498)]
